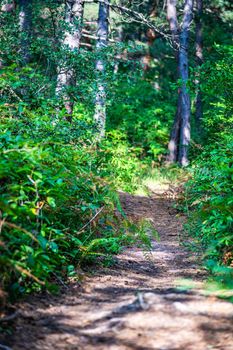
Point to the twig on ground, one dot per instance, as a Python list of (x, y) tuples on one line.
[(9, 318), (59, 280), (4, 347)]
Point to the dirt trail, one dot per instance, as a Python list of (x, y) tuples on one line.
[(134, 304)]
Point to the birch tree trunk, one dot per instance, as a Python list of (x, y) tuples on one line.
[(199, 61), (25, 26), (102, 42), (173, 145), (119, 39), (71, 41), (183, 71), (6, 7), (173, 23)]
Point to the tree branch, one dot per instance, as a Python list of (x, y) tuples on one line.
[(136, 16)]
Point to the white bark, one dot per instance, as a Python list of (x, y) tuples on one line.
[(9, 6), (199, 61), (102, 42), (174, 28), (173, 22), (6, 7), (71, 41), (25, 26), (184, 74)]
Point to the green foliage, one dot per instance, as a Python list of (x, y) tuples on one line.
[(217, 84), (121, 161), (142, 114), (51, 188), (57, 185), (210, 193)]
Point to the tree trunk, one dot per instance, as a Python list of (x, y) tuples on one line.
[(25, 26), (8, 7), (183, 71), (102, 42), (119, 39), (173, 146), (71, 41), (199, 61), (173, 23)]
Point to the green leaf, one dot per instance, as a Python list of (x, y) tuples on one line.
[(51, 202)]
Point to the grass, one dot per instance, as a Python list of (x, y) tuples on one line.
[(160, 180)]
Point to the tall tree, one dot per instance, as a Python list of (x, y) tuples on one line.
[(6, 7), (185, 108), (102, 42), (70, 42), (25, 26), (175, 132), (199, 61), (180, 135)]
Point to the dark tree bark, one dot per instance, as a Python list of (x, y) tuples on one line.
[(102, 42), (71, 41), (199, 61), (25, 26), (180, 134), (173, 146), (184, 73)]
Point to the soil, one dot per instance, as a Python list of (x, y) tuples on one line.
[(135, 304)]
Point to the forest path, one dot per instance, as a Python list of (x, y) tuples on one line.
[(134, 304)]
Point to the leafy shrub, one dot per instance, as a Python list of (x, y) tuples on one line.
[(50, 189), (210, 198), (217, 81), (210, 190), (121, 162), (142, 114)]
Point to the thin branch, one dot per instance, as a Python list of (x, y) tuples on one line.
[(9, 224), (94, 37), (86, 45), (137, 16), (29, 274), (90, 221), (59, 280)]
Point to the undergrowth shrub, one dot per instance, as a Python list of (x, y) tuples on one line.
[(121, 162), (142, 114), (210, 199), (57, 202), (209, 192)]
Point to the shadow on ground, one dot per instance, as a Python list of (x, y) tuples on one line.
[(135, 304)]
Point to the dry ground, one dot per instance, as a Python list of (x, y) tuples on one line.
[(134, 304)]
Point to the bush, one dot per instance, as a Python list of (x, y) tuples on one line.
[(209, 193), (51, 187), (210, 199), (143, 115)]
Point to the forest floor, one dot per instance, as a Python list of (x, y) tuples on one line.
[(134, 304)]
